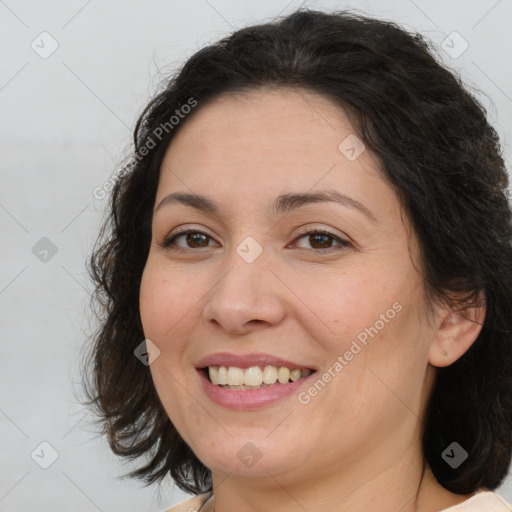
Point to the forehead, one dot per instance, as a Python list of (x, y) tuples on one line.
[(269, 119), (291, 135)]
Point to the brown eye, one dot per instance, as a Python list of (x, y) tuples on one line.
[(319, 241), (323, 241), (196, 240), (193, 240)]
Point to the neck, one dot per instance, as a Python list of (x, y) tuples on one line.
[(430, 497), (385, 489)]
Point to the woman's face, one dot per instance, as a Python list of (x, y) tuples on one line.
[(348, 304)]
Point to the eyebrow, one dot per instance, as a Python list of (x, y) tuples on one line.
[(281, 205)]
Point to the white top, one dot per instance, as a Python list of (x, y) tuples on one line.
[(486, 501), (482, 501)]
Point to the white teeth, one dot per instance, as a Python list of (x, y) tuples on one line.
[(254, 376), (235, 376), (213, 372), (294, 375), (223, 375), (270, 375), (283, 375)]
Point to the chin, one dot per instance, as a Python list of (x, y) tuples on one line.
[(246, 456)]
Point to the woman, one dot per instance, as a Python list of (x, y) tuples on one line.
[(306, 279)]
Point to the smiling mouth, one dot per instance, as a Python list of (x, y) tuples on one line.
[(254, 377)]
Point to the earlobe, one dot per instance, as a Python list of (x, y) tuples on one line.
[(457, 331)]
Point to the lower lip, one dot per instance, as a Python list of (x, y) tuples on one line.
[(249, 399)]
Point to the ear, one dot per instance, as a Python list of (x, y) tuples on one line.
[(456, 332)]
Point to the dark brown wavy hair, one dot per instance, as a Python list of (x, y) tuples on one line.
[(436, 149)]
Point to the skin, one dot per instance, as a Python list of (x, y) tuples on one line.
[(357, 443)]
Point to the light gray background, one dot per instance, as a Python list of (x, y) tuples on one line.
[(66, 122)]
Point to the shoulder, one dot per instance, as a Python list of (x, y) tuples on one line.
[(484, 501), (190, 505)]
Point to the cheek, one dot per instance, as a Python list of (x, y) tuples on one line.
[(165, 308), (369, 318), (164, 299), (151, 302), (343, 305)]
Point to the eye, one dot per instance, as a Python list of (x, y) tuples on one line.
[(319, 240), (194, 237)]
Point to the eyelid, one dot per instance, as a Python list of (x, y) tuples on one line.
[(181, 231), (343, 240), (330, 231), (185, 228), (302, 230)]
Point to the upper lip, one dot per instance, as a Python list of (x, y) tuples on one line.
[(248, 360)]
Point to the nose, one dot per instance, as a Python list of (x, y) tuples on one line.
[(247, 297)]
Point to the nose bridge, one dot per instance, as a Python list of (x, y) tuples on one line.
[(245, 290)]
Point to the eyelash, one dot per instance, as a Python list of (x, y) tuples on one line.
[(167, 243)]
